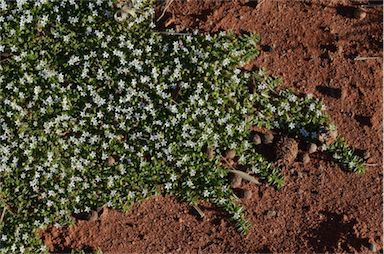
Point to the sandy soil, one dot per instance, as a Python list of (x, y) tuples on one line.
[(313, 46)]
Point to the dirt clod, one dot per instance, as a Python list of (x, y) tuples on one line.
[(286, 151), (268, 138)]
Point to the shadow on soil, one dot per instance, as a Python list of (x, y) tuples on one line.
[(334, 234)]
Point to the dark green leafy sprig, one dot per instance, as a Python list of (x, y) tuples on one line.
[(346, 156)]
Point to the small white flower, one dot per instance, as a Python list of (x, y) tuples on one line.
[(236, 216), (168, 186)]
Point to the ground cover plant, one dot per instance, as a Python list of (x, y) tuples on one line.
[(98, 108)]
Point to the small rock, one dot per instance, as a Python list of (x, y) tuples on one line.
[(230, 154), (359, 14), (268, 138), (306, 158), (247, 194), (256, 139), (236, 181), (93, 216), (312, 148), (366, 155), (271, 214), (372, 247), (111, 161)]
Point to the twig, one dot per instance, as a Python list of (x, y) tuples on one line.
[(362, 58), (245, 176), (165, 9), (199, 211), (242, 174), (3, 214)]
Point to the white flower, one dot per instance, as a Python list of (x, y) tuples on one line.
[(73, 60), (189, 183), (173, 177), (168, 186), (236, 216)]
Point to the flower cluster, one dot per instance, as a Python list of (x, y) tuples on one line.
[(97, 108)]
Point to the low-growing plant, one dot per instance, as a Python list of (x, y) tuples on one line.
[(98, 108)]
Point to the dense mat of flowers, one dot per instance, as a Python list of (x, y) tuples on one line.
[(97, 108)]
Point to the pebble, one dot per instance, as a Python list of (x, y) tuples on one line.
[(247, 194), (360, 13), (271, 213), (236, 181), (256, 139), (306, 158), (312, 148), (366, 155), (111, 161), (268, 138), (93, 216), (230, 154)]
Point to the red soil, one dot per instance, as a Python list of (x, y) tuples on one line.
[(312, 45)]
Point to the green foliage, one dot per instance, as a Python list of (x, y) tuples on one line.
[(346, 156), (97, 108)]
